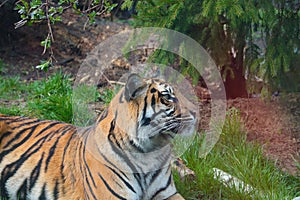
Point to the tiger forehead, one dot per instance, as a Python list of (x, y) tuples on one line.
[(161, 86)]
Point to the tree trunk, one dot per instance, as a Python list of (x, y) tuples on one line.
[(236, 86)]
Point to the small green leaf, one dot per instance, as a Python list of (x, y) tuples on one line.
[(46, 43), (60, 9), (44, 65), (52, 10)]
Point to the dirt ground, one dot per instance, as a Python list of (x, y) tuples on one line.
[(274, 124)]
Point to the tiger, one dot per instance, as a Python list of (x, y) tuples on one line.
[(125, 154)]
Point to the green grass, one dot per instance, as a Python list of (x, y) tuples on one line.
[(241, 159), (3, 67), (47, 98), (12, 88), (51, 98)]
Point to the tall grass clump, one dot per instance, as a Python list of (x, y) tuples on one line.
[(241, 159), (51, 98)]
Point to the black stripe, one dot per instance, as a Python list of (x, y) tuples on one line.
[(3, 191), (86, 165), (3, 153), (116, 147), (43, 194), (118, 150), (83, 172), (22, 191), (159, 94), (163, 188), (111, 134), (153, 102), (121, 98), (172, 112), (86, 196), (109, 162), (12, 168), (102, 116), (56, 132), (163, 101), (4, 135), (113, 140), (56, 190), (146, 121), (171, 195), (155, 175), (137, 148), (19, 134), (138, 178), (64, 154), (47, 127), (22, 119), (62, 131), (110, 189), (19, 119), (113, 123), (80, 164), (63, 191), (90, 189), (122, 179), (153, 90), (35, 173), (145, 108)]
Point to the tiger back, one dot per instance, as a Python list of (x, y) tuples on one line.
[(124, 155)]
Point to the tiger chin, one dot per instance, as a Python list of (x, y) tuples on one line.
[(126, 154)]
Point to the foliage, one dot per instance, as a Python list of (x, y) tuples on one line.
[(32, 11), (51, 98), (260, 36), (48, 98), (279, 29), (11, 88), (50, 11), (107, 95), (239, 158), (12, 110)]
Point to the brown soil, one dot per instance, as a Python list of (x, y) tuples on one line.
[(271, 124)]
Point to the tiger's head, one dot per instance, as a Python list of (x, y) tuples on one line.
[(151, 113)]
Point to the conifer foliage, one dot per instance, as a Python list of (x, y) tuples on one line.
[(247, 39)]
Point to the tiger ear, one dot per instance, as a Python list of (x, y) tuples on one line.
[(134, 87)]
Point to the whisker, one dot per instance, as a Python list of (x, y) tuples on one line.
[(165, 128)]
